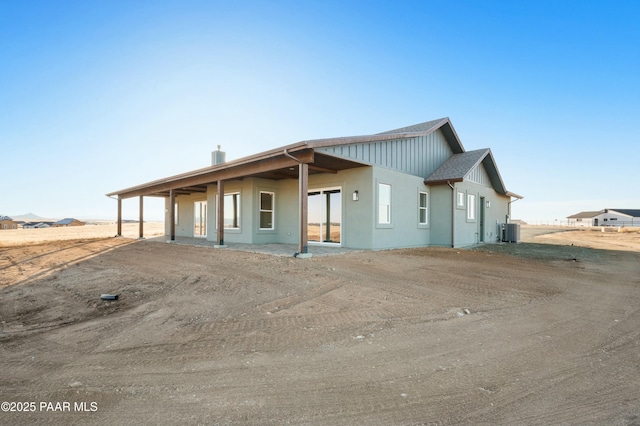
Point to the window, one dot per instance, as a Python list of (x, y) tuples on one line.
[(232, 211), (471, 207), (460, 199), (175, 213), (266, 210), (423, 205), (384, 204)]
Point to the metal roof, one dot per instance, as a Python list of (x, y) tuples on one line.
[(585, 215), (628, 212), (280, 163), (65, 221), (590, 214)]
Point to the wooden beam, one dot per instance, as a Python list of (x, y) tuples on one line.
[(219, 174), (172, 215), (322, 169), (119, 231), (220, 214), (303, 195), (141, 222)]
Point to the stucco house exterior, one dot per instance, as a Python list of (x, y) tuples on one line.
[(7, 223), (409, 187), (606, 217)]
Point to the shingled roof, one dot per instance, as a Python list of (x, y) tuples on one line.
[(459, 166), (421, 127)]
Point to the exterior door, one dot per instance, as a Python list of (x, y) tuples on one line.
[(325, 216), (481, 210), (200, 219)]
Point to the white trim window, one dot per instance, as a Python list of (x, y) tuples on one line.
[(471, 207), (460, 199), (423, 208), (267, 203), (384, 204)]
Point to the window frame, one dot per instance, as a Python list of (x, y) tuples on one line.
[(272, 210), (460, 200), (387, 206), (238, 212), (424, 208), (471, 207)]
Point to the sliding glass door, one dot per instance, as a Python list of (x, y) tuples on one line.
[(325, 216), (200, 219)]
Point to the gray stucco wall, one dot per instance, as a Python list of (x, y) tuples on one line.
[(360, 227), (404, 229), (467, 232)]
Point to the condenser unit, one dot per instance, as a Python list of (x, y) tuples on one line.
[(511, 232)]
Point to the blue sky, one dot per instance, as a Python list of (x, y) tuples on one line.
[(97, 96)]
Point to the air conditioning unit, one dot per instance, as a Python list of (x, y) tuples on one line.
[(511, 232)]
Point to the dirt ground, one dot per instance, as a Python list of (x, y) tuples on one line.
[(543, 332)]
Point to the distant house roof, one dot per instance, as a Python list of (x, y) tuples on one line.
[(591, 214), (459, 166), (584, 215), (5, 218), (66, 221), (628, 212)]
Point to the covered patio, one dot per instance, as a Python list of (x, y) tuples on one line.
[(296, 161), (284, 250)]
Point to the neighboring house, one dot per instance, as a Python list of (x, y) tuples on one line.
[(606, 217), (68, 222), (410, 187), (32, 225), (7, 223)]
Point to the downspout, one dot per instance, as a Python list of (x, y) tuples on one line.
[(453, 214), (509, 209), (291, 156)]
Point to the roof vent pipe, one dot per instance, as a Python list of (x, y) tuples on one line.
[(217, 157)]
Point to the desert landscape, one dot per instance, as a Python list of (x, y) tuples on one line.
[(542, 332)]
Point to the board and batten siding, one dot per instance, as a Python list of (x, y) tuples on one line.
[(419, 156), (479, 175)]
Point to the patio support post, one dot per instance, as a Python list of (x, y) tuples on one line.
[(141, 226), (303, 195), (220, 215), (119, 231), (172, 215)]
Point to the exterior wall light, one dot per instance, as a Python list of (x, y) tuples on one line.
[(488, 204), (356, 196)]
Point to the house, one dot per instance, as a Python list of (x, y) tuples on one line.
[(7, 223), (409, 187), (36, 225), (68, 222), (606, 217)]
